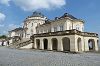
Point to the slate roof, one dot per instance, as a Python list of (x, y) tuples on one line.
[(37, 14), (68, 15), (17, 29)]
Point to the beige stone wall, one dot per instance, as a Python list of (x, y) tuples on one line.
[(86, 43), (74, 46), (60, 45)]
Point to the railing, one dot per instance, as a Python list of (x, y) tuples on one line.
[(67, 32), (23, 44), (20, 44)]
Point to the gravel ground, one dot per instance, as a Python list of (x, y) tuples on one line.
[(14, 57)]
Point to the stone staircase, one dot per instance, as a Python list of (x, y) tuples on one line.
[(21, 43)]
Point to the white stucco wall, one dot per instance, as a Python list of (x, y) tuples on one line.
[(66, 23), (32, 23)]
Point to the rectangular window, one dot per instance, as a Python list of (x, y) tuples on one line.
[(49, 30), (55, 29), (61, 28), (37, 31), (41, 31), (32, 24)]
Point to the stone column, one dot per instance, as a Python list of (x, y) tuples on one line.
[(86, 46), (49, 44), (35, 45), (41, 44), (82, 44), (60, 45), (73, 44), (96, 45)]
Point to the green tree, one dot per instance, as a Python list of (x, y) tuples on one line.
[(3, 37)]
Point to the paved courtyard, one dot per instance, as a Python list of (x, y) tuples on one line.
[(14, 57)]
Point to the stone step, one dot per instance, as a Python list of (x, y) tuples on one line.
[(20, 43)]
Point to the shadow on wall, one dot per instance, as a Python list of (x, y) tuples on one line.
[(99, 42)]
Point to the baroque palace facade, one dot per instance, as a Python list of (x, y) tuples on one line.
[(65, 33)]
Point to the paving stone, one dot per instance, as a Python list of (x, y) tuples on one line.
[(14, 57)]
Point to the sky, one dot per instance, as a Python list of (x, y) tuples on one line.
[(14, 12)]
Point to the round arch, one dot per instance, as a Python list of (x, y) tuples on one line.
[(79, 44), (98, 43), (91, 44), (38, 43), (54, 44), (45, 41), (66, 44)]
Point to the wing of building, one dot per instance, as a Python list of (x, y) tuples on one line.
[(64, 33)]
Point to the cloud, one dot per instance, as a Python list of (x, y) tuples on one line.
[(29, 5), (5, 2), (2, 17), (5, 28)]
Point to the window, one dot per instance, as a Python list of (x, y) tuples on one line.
[(70, 28), (32, 24), (82, 28), (77, 27), (37, 31), (41, 31), (49, 30), (31, 31), (61, 28), (55, 29)]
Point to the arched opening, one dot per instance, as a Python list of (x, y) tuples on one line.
[(98, 43), (45, 44), (91, 44), (79, 44), (66, 44), (38, 43), (54, 44)]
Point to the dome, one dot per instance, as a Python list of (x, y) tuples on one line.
[(68, 15), (37, 14)]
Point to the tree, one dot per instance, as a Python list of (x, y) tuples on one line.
[(3, 37)]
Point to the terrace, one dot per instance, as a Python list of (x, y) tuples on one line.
[(67, 32)]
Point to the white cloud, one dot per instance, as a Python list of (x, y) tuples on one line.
[(2, 17), (4, 29), (29, 5), (5, 2)]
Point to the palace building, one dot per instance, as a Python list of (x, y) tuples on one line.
[(65, 33)]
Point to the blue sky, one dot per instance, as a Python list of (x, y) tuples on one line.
[(13, 12)]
